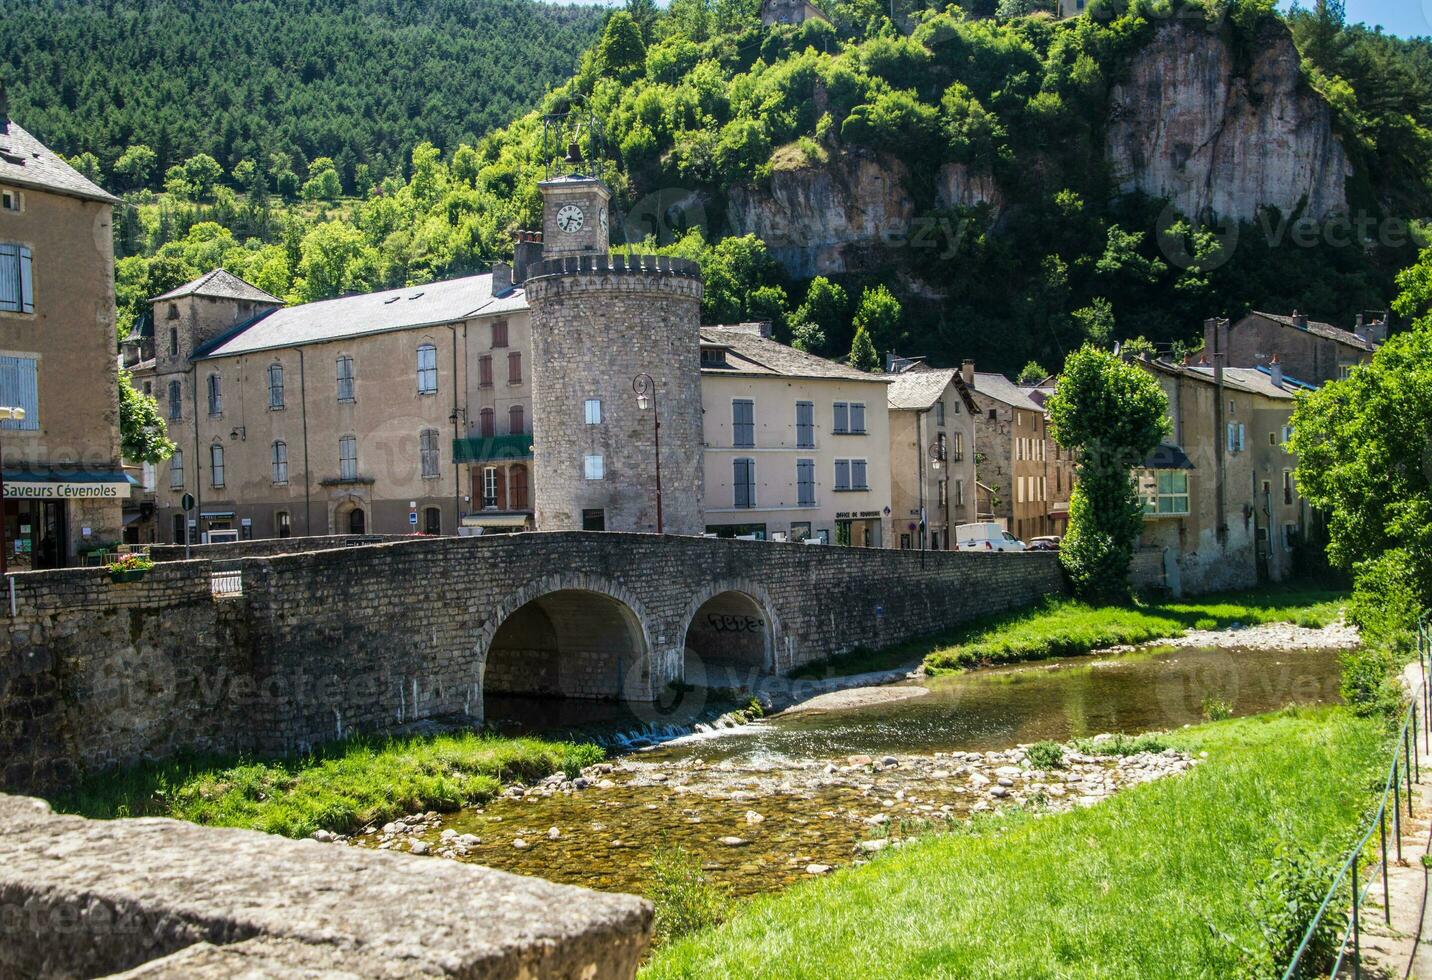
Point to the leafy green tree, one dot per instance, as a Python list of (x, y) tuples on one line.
[(87, 164), (621, 53), (323, 183), (336, 260), (244, 173), (863, 355), (1096, 321), (879, 315), (1032, 374), (203, 174), (143, 436), (135, 165), (1111, 414), (820, 316)]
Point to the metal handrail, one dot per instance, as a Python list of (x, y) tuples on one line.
[(1408, 764)]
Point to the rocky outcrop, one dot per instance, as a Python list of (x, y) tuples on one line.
[(963, 188), (827, 219), (1187, 125)]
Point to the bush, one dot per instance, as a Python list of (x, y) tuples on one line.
[(1216, 709), (1121, 744), (1288, 897), (685, 899), (1045, 755), (1369, 686)]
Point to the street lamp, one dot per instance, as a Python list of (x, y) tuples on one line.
[(13, 414), (645, 389)]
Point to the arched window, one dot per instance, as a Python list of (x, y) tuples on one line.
[(275, 382), (516, 420), (428, 451), (427, 370), (216, 397), (176, 470), (487, 426), (216, 465), (176, 401), (348, 458), (280, 462)]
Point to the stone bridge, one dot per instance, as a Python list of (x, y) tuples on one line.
[(326, 643)]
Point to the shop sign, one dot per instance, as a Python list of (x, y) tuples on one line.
[(66, 491)]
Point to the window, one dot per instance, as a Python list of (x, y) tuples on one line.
[(959, 451), (1237, 434), (489, 486), (516, 420), (1287, 434), (842, 418), (176, 470), (1171, 493), (179, 529), (484, 371), (487, 423), (17, 290), (992, 415), (943, 494), (345, 378), (805, 483), (499, 334), (1288, 487), (800, 531), (176, 401), (959, 493), (743, 423), (427, 370), (1019, 490), (805, 425), (850, 474), (940, 413), (514, 368), (1290, 536), (594, 466), (842, 474), (275, 382), (9, 200), (348, 458), (518, 498), (172, 312), (428, 451), (216, 465), (594, 520), (173, 341), (19, 387), (594, 411), (743, 482), (849, 418), (280, 462), (283, 524)]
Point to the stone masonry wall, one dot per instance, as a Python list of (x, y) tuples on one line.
[(324, 644), (268, 546)]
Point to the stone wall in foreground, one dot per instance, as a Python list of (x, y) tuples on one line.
[(325, 644)]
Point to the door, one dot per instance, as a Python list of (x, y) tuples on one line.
[(432, 521), (52, 547), (356, 522)]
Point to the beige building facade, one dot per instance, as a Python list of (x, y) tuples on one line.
[(64, 482), (932, 459), (1308, 350)]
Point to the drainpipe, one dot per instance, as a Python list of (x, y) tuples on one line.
[(303, 411), (1220, 435), (198, 466), (456, 470), (920, 474)]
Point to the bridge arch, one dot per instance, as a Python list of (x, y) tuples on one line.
[(730, 630), (569, 636)]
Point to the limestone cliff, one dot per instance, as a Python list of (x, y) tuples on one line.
[(1187, 125)]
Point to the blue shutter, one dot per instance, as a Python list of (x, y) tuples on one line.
[(27, 286), (9, 278), (857, 473), (842, 474), (19, 388), (842, 417)]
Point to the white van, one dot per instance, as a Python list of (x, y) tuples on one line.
[(986, 536)]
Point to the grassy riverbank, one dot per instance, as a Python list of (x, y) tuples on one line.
[(1167, 879), (342, 787)]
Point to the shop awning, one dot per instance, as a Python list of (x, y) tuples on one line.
[(491, 449), (1168, 457), (54, 483), (495, 520)]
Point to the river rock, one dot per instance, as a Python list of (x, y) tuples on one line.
[(858, 760), (733, 841), (871, 846), (1005, 781), (520, 844), (469, 840), (324, 836), (978, 779), (448, 834), (999, 792), (818, 869), (553, 833), (753, 817), (878, 820), (419, 847)]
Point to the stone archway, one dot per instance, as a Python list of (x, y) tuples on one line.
[(730, 635)]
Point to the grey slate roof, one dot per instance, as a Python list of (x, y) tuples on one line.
[(1320, 329), (918, 390), (1000, 388), (429, 304), (1254, 381), (220, 283), (749, 353), (26, 162)]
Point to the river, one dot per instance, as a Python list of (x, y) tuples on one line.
[(762, 805)]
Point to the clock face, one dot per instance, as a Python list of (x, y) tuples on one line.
[(570, 218), (602, 217)]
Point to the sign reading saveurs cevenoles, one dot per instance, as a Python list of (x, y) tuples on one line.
[(65, 491)]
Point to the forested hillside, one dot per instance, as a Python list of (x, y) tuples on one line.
[(982, 158), (358, 81)]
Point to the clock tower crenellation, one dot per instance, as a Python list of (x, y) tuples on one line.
[(574, 216)]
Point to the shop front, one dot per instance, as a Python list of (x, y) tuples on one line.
[(53, 518)]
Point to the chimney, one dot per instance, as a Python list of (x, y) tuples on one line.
[(890, 362), (526, 253), (4, 108), (1373, 328), (1275, 372), (967, 371), (1300, 320), (756, 328), (501, 278)]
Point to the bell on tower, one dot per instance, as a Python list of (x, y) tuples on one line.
[(574, 153)]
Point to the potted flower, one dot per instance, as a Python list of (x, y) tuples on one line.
[(129, 568)]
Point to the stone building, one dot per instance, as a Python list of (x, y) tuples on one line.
[(1222, 510), (1307, 349), (932, 457), (795, 447), (64, 483), (790, 12)]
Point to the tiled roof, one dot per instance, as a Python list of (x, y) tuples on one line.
[(1319, 329), (429, 304), (222, 284), (26, 162), (750, 353), (1253, 381), (1000, 388), (918, 390)]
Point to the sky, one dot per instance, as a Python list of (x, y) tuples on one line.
[(1405, 18)]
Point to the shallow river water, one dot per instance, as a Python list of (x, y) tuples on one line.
[(760, 805)]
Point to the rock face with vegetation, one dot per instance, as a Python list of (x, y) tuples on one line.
[(1192, 125)]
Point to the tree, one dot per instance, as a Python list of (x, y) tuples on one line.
[(863, 356), (819, 316), (1364, 449), (323, 183), (879, 316), (135, 165), (203, 173), (621, 53), (1032, 374), (87, 164), (1111, 415), (143, 437), (1096, 321)]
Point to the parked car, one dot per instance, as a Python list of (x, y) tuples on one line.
[(985, 536), (1047, 542)]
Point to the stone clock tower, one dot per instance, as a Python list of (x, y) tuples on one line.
[(574, 216), (599, 321)]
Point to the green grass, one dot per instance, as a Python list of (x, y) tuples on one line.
[(1159, 881), (342, 787), (1066, 627)]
